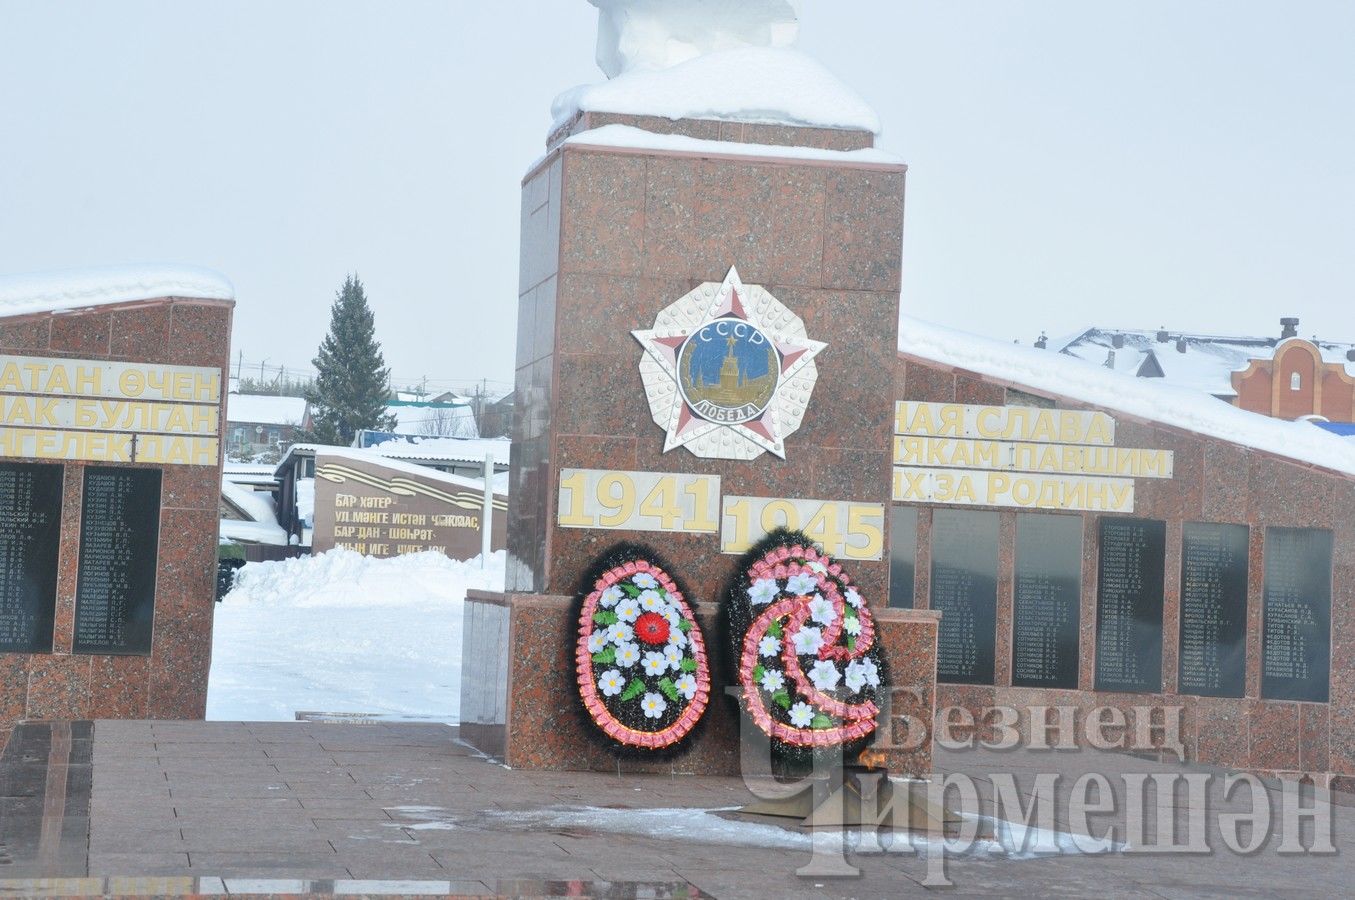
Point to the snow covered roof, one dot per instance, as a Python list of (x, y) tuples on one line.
[(1149, 399), (774, 85), (445, 449), (261, 527), (68, 289), (263, 409), (1206, 365), (627, 136)]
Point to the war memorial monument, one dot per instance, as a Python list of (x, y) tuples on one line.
[(760, 521)]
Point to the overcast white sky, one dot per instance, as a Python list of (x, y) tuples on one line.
[(1124, 162)]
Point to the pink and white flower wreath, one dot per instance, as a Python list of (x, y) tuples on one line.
[(612, 583), (804, 578)]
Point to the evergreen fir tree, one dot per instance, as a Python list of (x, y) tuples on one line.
[(350, 392)]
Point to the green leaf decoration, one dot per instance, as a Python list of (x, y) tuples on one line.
[(605, 657), (851, 611), (669, 689), (604, 617), (630, 589), (688, 664), (821, 721), (782, 698), (775, 629), (633, 690), (684, 626), (851, 642), (758, 672)]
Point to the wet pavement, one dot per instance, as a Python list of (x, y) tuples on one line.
[(406, 808)]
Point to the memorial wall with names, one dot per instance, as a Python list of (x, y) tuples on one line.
[(1296, 616), (1213, 629), (964, 589), (1046, 599), (30, 536), (110, 460), (119, 537), (1129, 605)]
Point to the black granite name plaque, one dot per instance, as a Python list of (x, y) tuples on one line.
[(1213, 634), (1047, 596), (964, 589), (1296, 631), (30, 536), (902, 555), (1129, 605), (119, 544)]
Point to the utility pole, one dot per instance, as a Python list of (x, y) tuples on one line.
[(239, 364)]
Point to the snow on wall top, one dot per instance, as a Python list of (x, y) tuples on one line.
[(80, 288), (638, 138), (657, 34), (1149, 399), (774, 85)]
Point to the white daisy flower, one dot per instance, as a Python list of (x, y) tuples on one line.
[(627, 655), (686, 686), (763, 591), (817, 566), (801, 714), (611, 683), (821, 610), (852, 625), (645, 580), (801, 584), (768, 646), (772, 680), (611, 596), (627, 610), (650, 601), (674, 656), (653, 705), (672, 615), (864, 671), (655, 663), (808, 640), (620, 632), (856, 677), (853, 597), (597, 640), (676, 638), (825, 675)]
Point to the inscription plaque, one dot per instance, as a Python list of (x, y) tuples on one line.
[(30, 532), (1213, 634), (1129, 605), (1296, 632), (902, 555), (1046, 597), (119, 538), (964, 589)]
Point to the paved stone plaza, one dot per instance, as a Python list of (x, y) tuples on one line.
[(212, 807)]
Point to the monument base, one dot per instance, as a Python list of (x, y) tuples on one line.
[(519, 702)]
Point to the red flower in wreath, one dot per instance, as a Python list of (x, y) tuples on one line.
[(652, 628)]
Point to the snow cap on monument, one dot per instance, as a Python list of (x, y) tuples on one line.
[(656, 34)]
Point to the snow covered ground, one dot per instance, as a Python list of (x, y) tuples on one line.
[(342, 632)]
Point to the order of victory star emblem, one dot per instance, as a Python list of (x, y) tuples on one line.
[(728, 371)]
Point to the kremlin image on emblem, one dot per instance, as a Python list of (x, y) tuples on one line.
[(728, 371)]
